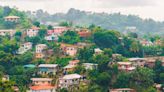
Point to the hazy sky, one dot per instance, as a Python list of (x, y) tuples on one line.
[(143, 8)]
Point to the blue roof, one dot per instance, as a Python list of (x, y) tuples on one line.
[(29, 66)]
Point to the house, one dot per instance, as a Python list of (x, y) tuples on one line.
[(42, 85), (125, 66), (71, 66), (32, 32), (90, 66), (12, 18), (98, 51), (9, 32), (40, 48), (74, 62), (41, 81), (57, 30), (5, 78), (69, 80), (146, 43), (48, 53), (51, 37), (158, 42), (84, 33), (115, 57), (138, 61), (122, 90), (24, 48), (39, 55), (158, 87), (150, 61), (68, 49), (45, 69)]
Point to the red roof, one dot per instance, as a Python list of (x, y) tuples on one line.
[(42, 87), (84, 34)]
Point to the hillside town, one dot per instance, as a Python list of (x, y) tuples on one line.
[(35, 57)]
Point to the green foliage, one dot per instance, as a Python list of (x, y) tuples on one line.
[(37, 24), (102, 38), (42, 33), (85, 54), (141, 78), (70, 37), (159, 72), (66, 24), (6, 86), (63, 61), (122, 80)]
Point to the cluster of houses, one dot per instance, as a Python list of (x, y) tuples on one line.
[(145, 42), (132, 63), (48, 84)]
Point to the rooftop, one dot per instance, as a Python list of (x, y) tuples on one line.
[(48, 65), (89, 64), (124, 63), (5, 30), (41, 79), (72, 76), (12, 17), (69, 66), (42, 87), (98, 50), (29, 66), (134, 59)]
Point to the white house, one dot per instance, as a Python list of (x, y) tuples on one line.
[(45, 69), (12, 18), (69, 80), (90, 66), (40, 48), (7, 32), (98, 51), (51, 37), (24, 48)]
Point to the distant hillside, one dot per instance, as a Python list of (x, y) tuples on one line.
[(24, 22), (114, 21)]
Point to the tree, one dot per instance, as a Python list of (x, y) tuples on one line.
[(70, 37), (50, 27), (66, 24), (106, 39), (85, 54), (158, 69), (102, 61), (122, 80), (141, 78), (42, 33), (108, 52), (36, 24)]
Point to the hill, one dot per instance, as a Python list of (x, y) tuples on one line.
[(114, 21)]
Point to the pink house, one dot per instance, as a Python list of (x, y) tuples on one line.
[(68, 49), (125, 66), (33, 31), (57, 30)]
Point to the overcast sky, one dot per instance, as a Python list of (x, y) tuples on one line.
[(144, 8)]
